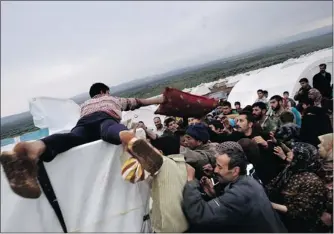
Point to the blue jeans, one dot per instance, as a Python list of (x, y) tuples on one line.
[(96, 126)]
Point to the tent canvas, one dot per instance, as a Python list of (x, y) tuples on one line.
[(281, 77), (91, 193)]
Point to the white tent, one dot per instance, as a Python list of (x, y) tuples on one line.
[(281, 77), (200, 90), (91, 192)]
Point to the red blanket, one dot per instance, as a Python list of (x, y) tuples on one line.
[(181, 104)]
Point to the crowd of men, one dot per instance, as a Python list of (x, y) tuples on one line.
[(288, 141), (267, 167)]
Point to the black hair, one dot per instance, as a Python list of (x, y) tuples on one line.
[(226, 103), (287, 117), (278, 98), (307, 101), (237, 159), (96, 89), (168, 120), (157, 117), (286, 92), (217, 124), (265, 92), (260, 90), (250, 118), (323, 65), (237, 103), (141, 122), (303, 80), (260, 105), (167, 144), (248, 108), (180, 132)]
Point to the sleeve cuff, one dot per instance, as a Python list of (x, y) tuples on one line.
[(194, 183)]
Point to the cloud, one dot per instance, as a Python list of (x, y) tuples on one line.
[(59, 49)]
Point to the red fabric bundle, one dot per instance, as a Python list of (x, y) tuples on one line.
[(181, 104)]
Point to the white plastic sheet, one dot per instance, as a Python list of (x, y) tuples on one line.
[(54, 113), (91, 193), (61, 115)]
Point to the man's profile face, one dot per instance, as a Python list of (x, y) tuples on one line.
[(191, 142), (223, 173), (322, 69), (227, 110), (274, 104), (257, 113), (172, 126), (303, 84), (242, 124), (260, 94), (157, 123)]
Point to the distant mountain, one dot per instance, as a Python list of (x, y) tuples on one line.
[(313, 33)]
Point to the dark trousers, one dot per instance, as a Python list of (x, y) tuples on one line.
[(98, 125)]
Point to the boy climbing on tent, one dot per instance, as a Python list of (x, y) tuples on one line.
[(100, 119)]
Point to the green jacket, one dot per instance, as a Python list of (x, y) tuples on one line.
[(272, 120)]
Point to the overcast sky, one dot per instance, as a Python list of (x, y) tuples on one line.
[(59, 49)]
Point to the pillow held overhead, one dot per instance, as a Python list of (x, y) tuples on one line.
[(182, 104)]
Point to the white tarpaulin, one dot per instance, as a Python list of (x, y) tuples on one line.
[(54, 113), (61, 115), (91, 193)]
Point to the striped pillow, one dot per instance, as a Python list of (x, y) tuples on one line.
[(132, 171)]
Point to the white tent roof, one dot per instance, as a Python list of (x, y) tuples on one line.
[(281, 77), (200, 90)]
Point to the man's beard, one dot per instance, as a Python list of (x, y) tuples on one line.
[(257, 117), (277, 107)]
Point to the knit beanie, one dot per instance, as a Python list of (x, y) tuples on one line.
[(199, 132)]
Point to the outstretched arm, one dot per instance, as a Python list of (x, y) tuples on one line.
[(135, 103), (152, 101)]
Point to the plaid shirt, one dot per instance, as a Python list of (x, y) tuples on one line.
[(113, 106)]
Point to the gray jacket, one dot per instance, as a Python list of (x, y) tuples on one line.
[(243, 207), (202, 155)]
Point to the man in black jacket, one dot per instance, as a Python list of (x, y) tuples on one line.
[(302, 94), (244, 205), (322, 82), (245, 127)]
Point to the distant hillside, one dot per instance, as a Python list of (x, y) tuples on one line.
[(313, 33)]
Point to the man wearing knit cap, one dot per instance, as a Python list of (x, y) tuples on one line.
[(199, 152)]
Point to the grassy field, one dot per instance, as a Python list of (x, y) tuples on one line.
[(211, 72)]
